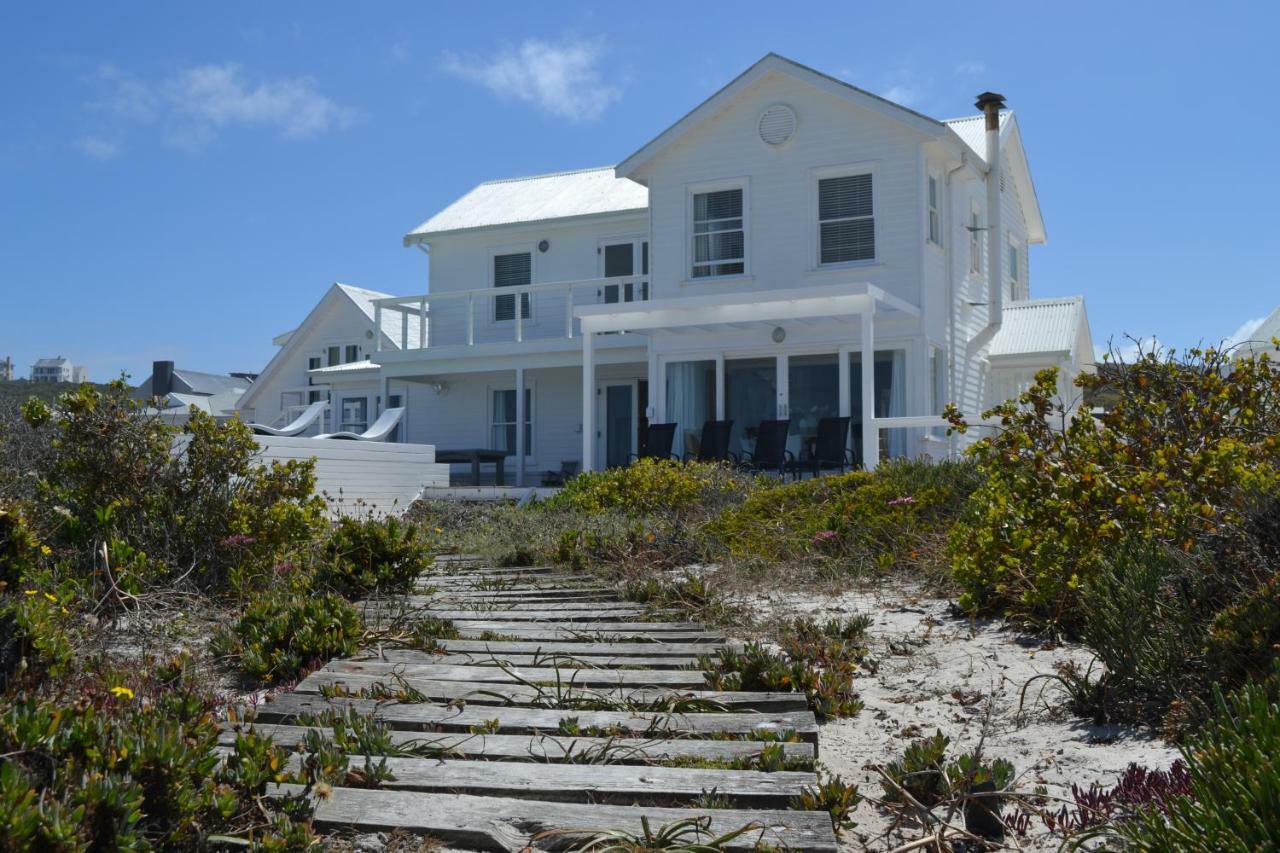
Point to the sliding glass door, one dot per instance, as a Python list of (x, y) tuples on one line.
[(813, 391), (750, 396), (691, 401), (890, 399)]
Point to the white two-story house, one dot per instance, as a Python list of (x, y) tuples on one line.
[(793, 248)]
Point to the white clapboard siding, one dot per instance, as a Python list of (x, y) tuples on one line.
[(362, 476)]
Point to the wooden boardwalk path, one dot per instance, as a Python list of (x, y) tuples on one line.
[(559, 709)]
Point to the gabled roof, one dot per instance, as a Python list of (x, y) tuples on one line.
[(773, 63), (586, 192), (1040, 327), (338, 294), (57, 361), (972, 131), (197, 383)]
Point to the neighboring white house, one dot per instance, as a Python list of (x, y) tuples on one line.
[(175, 390), (58, 369), (6, 369), (794, 247), (1259, 340), (327, 357)]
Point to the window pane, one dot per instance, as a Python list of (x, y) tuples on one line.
[(334, 356), (845, 196), (724, 204), (853, 240), (750, 396), (618, 260), (511, 270), (353, 352)]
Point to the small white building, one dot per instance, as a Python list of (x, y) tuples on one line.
[(794, 248), (58, 369), (6, 369)]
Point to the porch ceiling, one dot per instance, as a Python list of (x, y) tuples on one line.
[(742, 307)]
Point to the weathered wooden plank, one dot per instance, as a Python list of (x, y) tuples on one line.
[(589, 783), (568, 676), (531, 631), (544, 748), (482, 693), (532, 594), (508, 824), (539, 659), (499, 622), (521, 606), (518, 615), (289, 706), (550, 647)]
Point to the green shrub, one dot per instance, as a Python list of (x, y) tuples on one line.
[(373, 555), (20, 549), (826, 681), (929, 778), (35, 638), (893, 517), (835, 797), (1234, 765), (280, 634), (651, 487), (1180, 458)]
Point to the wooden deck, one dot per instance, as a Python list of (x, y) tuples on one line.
[(564, 724)]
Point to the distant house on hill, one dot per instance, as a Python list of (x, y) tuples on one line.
[(6, 370), (58, 369), (179, 389)]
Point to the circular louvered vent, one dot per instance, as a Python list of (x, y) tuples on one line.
[(777, 124)]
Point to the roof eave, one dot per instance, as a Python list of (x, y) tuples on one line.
[(426, 237)]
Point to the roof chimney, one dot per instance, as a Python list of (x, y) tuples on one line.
[(991, 103), (161, 378)]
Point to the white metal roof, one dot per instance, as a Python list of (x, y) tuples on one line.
[(391, 321), (349, 367), (972, 131), (1039, 326), (561, 194)]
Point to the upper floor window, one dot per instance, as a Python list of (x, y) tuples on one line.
[(1015, 270), (313, 363), (512, 270), (353, 353), (975, 241), (335, 355), (846, 224), (719, 238), (935, 217)]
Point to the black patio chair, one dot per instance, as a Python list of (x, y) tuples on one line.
[(714, 446), (568, 470), (831, 450), (657, 442), (771, 452)]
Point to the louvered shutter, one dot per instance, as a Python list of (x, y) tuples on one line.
[(511, 271), (845, 220)]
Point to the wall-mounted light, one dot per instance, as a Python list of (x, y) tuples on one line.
[(779, 334), (543, 245), (440, 387)]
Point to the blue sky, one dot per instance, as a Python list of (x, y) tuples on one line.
[(176, 182)]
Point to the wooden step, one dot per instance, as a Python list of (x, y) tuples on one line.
[(508, 824), (542, 748), (427, 716), (567, 647), (568, 676), (528, 631), (482, 693), (562, 659)]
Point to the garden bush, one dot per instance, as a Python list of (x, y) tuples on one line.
[(372, 555), (652, 487), (896, 516), (279, 634), (1187, 450)]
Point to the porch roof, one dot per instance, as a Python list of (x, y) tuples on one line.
[(756, 306)]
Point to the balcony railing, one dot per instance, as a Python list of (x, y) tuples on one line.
[(498, 314)]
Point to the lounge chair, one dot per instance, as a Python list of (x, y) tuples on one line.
[(714, 446), (831, 451), (299, 424), (381, 428), (770, 452), (568, 470), (657, 442)]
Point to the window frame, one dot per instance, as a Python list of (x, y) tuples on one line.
[(494, 252), (350, 353), (640, 260), (531, 440), (975, 238), (1013, 264), (933, 209), (742, 183), (842, 170)]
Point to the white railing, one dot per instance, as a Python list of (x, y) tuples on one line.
[(931, 438), (529, 307)]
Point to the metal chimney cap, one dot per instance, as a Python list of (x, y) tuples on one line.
[(989, 99)]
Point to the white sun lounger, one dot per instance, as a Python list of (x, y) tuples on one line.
[(309, 416), (381, 428)]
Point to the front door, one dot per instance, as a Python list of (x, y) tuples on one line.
[(617, 436)]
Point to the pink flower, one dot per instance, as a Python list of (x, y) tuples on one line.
[(905, 499), (824, 536)]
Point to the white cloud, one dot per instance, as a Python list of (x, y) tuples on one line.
[(1245, 332), (902, 93), (193, 104), (98, 148), (563, 79), (970, 68)]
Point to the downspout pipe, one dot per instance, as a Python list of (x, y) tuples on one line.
[(951, 291), (991, 103)]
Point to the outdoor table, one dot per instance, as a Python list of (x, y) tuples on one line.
[(476, 455)]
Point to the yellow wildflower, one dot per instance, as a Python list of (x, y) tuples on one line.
[(31, 591), (51, 597), (122, 692), (46, 550)]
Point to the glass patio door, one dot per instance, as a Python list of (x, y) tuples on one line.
[(690, 401), (750, 396), (813, 387), (629, 259), (618, 435)]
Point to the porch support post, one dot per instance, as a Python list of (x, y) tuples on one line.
[(520, 418), (842, 378), (870, 435), (782, 378), (657, 393), (720, 386), (588, 401)]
